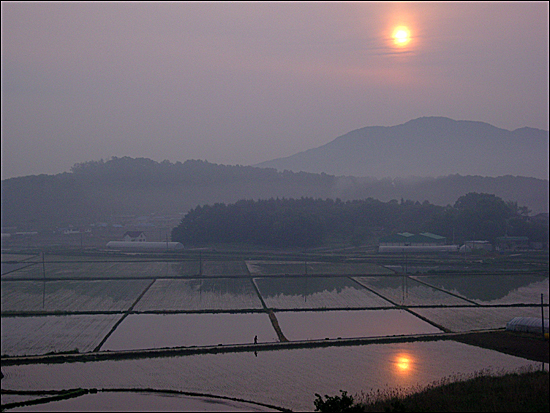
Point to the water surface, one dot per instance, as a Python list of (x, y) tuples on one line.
[(40, 335), (494, 289), (313, 325), (151, 402), (316, 292), (145, 331), (286, 378), (200, 294)]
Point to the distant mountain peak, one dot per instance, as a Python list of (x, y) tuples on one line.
[(428, 146)]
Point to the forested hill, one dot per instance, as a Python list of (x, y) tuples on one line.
[(308, 222), (98, 190)]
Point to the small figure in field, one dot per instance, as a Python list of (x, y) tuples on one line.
[(255, 339)]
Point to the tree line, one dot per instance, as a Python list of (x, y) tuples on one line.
[(309, 222), (99, 190)]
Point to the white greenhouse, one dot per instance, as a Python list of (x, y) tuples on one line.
[(527, 324), (397, 249), (144, 246)]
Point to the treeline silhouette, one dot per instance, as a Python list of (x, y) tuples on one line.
[(105, 190), (309, 222)]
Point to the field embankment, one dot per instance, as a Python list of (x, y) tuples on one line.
[(527, 392)]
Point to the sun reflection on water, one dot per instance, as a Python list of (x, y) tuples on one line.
[(402, 364)]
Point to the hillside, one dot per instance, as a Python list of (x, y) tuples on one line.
[(427, 147), (99, 190)]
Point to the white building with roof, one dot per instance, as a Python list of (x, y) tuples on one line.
[(134, 236)]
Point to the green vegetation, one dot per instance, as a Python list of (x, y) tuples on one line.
[(308, 222), (514, 392)]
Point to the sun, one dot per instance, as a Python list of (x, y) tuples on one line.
[(401, 36)]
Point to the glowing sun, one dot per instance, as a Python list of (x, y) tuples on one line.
[(401, 36)]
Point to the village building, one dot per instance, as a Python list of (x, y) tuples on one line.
[(134, 236)]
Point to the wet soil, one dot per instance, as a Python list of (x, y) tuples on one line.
[(530, 346)]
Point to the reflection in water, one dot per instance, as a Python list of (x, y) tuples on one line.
[(286, 378), (487, 287), (303, 286), (402, 364), (315, 325)]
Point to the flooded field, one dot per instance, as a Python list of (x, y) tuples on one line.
[(315, 325), (145, 402), (40, 335), (316, 292), (477, 318), (200, 294), (225, 268), (404, 290), (115, 306), (78, 296), (106, 269), (313, 268), (285, 378), (144, 331), (493, 289)]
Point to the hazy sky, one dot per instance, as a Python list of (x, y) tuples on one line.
[(242, 83)]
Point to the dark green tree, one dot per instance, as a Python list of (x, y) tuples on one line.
[(481, 216)]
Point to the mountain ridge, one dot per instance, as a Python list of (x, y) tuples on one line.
[(428, 147)]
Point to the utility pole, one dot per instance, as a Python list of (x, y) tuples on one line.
[(44, 276), (542, 312)]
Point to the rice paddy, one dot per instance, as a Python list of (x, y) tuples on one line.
[(316, 293), (108, 401), (145, 331), (285, 378), (65, 305), (477, 318), (53, 334), (316, 325), (70, 296), (313, 268), (200, 294), (493, 289), (407, 291)]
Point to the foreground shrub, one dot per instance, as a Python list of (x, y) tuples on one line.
[(336, 404)]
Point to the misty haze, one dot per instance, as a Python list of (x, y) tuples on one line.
[(274, 206)]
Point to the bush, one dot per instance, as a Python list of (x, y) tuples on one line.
[(336, 404)]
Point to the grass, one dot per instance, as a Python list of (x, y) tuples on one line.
[(481, 392)]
